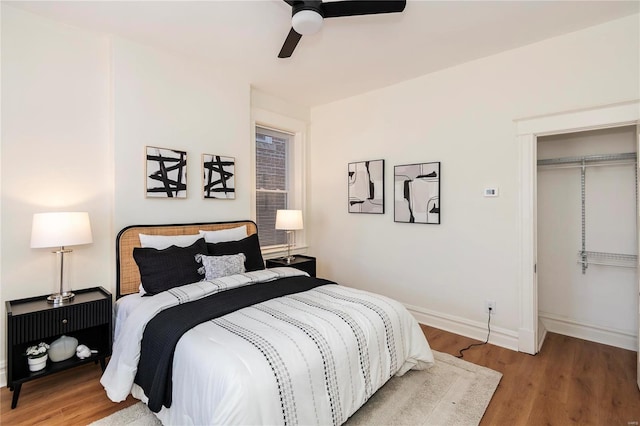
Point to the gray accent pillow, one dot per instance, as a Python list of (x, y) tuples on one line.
[(221, 266)]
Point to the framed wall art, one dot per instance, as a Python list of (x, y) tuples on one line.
[(366, 187), (417, 193), (218, 180), (166, 173)]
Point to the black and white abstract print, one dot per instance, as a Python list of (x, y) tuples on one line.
[(417, 193), (166, 173), (366, 187), (219, 177)]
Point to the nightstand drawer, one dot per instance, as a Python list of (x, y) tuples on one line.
[(64, 319)]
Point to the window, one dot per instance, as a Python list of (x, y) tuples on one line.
[(279, 166), (273, 154)]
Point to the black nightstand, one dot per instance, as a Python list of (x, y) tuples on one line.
[(30, 321), (304, 263)]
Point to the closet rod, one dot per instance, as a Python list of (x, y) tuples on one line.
[(588, 159), (588, 165)]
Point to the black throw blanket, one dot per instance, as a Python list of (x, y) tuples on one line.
[(163, 332)]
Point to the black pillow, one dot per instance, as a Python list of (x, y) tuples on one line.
[(174, 266), (250, 246)]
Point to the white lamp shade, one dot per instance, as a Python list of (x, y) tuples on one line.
[(60, 229), (306, 22), (289, 220)]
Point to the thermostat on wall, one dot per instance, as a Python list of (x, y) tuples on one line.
[(491, 192)]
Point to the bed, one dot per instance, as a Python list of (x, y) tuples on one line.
[(244, 344)]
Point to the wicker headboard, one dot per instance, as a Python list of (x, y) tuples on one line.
[(128, 276)]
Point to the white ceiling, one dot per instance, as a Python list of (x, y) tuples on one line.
[(350, 55)]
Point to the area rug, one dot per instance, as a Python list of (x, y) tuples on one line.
[(452, 392)]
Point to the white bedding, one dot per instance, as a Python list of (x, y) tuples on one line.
[(308, 358)]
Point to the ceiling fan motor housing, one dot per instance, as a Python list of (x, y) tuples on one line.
[(307, 17)]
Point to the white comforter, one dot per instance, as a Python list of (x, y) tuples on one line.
[(308, 358)]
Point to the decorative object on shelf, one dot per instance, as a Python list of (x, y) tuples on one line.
[(218, 177), (37, 356), (62, 348), (289, 220), (166, 173), (60, 229), (82, 352), (366, 187), (417, 193)]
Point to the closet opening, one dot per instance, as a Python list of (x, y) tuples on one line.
[(587, 236)]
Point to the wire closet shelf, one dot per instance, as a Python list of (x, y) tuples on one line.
[(585, 257)]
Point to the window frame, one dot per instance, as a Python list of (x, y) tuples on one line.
[(296, 178)]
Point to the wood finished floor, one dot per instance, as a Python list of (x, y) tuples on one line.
[(570, 382)]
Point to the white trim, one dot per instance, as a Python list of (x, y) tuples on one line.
[(637, 348), (3, 374), (542, 334), (527, 131), (529, 285), (465, 327), (602, 117), (526, 341), (608, 336)]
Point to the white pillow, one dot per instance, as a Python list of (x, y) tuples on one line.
[(163, 241), (221, 266), (232, 234)]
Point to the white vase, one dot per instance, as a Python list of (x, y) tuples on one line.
[(37, 364)]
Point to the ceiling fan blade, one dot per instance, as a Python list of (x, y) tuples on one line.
[(289, 44), (336, 9)]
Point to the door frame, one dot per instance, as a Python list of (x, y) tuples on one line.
[(527, 132)]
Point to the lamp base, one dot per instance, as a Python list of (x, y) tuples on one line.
[(61, 298), (289, 259)]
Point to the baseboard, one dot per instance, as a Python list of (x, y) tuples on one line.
[(542, 334), (527, 341), (593, 333), (465, 327), (3, 374)]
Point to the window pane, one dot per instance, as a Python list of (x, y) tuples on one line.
[(266, 205), (271, 159), (272, 176)]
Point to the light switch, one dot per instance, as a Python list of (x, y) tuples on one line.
[(491, 192)]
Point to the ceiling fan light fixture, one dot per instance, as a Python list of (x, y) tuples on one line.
[(306, 22)]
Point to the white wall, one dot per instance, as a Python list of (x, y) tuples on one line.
[(55, 152), (462, 117), (161, 100), (601, 304), (277, 105)]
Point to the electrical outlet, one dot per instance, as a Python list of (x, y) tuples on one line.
[(490, 304)]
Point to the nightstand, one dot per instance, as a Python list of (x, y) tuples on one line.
[(304, 263), (30, 321)]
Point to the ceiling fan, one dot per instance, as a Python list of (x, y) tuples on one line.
[(307, 16)]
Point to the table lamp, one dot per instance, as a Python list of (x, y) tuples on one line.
[(289, 220), (60, 229)]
